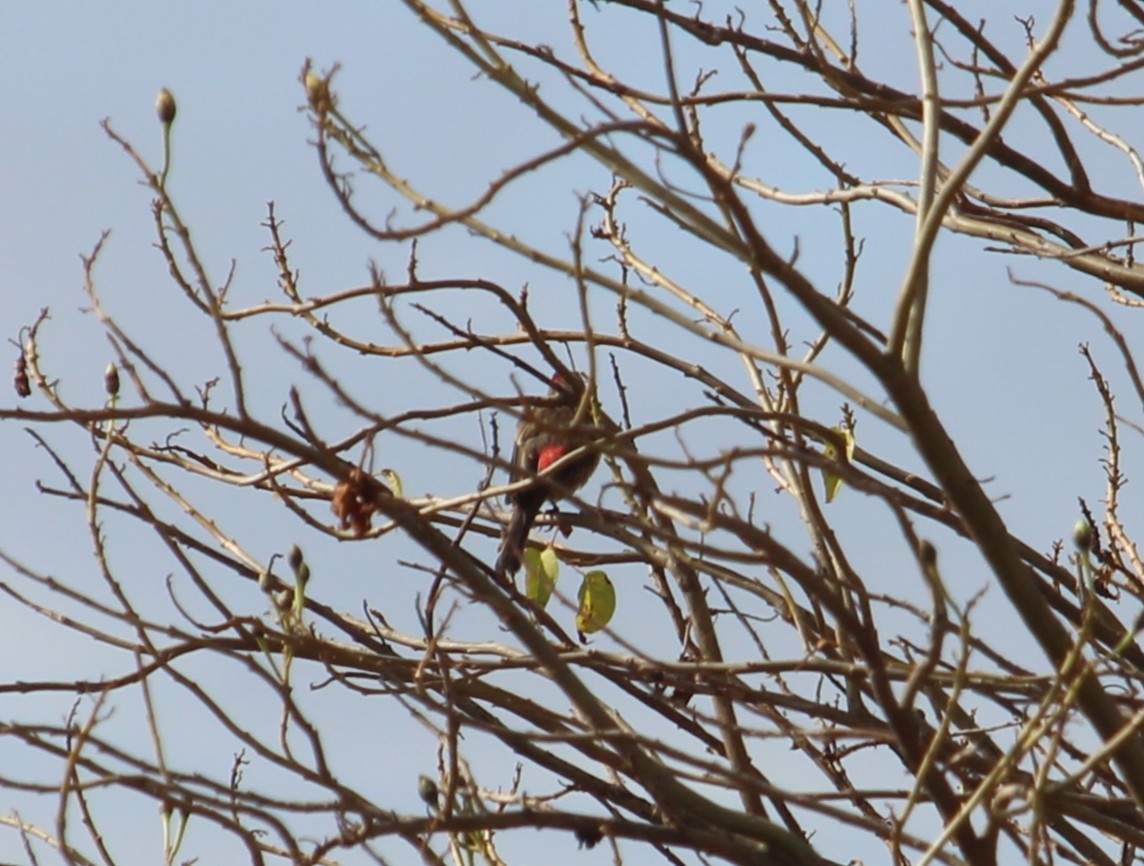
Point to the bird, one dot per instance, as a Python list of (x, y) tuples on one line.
[(542, 438)]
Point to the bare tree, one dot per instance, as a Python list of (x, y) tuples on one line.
[(774, 686)]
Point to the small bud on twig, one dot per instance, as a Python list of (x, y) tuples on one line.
[(20, 380), (927, 553), (317, 93), (428, 791), (111, 380), (1083, 535), (294, 558), (165, 106)]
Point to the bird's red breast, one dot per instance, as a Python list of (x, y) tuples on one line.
[(549, 454)]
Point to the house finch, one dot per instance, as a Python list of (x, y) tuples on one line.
[(542, 438)]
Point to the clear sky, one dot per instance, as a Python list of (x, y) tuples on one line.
[(1003, 364)]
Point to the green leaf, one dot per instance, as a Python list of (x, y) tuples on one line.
[(597, 603), (541, 570), (832, 480)]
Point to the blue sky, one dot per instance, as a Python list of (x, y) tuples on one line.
[(1001, 361)]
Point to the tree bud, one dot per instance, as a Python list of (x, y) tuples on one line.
[(111, 380), (318, 93), (165, 106), (1083, 535)]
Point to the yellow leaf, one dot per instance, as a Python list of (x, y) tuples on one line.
[(394, 481), (832, 480), (541, 569), (597, 603)]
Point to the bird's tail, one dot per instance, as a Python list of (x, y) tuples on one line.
[(516, 533)]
